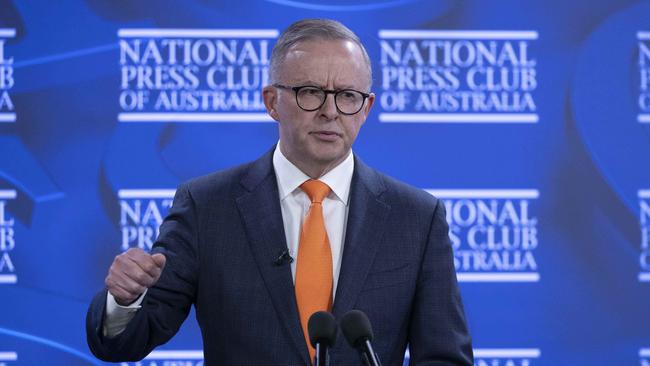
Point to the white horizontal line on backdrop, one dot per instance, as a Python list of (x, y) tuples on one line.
[(194, 117), (7, 33), (8, 356), (7, 194), (175, 355), (7, 117), (485, 193), (197, 33), (458, 118), (507, 352), (146, 193), (643, 118), (5, 279), (457, 34), (497, 277)]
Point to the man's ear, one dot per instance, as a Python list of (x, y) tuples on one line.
[(270, 96), (369, 103)]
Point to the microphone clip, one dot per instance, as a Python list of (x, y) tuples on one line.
[(283, 258)]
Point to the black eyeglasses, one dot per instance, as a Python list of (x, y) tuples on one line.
[(310, 98)]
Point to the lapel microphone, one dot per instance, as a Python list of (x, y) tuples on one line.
[(322, 330), (283, 258)]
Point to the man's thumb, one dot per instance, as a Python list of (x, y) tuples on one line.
[(159, 259)]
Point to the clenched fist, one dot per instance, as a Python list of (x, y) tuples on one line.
[(132, 272)]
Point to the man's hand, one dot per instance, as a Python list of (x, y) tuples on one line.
[(131, 273)]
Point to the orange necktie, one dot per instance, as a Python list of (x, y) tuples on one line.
[(314, 265)]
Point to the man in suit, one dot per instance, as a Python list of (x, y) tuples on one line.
[(307, 227)]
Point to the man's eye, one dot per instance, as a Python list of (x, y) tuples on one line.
[(348, 95)]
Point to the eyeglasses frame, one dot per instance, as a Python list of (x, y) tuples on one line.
[(296, 89)]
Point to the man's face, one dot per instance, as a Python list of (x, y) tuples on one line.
[(319, 140)]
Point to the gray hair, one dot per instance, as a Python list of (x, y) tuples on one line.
[(308, 30)]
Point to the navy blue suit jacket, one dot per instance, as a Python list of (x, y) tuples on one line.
[(222, 237)]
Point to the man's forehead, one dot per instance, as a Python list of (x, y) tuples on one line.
[(326, 52), (318, 44), (322, 61)]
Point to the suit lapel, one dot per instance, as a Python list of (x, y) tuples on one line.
[(262, 216), (366, 220)]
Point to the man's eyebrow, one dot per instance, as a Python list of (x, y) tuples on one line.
[(309, 83), (314, 83)]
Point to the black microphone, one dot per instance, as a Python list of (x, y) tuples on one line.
[(322, 330), (358, 332), (283, 258)]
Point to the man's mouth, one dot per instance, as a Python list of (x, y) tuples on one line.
[(326, 135)]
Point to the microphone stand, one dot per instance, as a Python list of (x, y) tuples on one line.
[(322, 357), (370, 357)]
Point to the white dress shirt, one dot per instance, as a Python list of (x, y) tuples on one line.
[(294, 204)]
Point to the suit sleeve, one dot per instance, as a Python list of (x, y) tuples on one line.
[(167, 303), (438, 333)]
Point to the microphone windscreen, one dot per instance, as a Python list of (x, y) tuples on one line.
[(356, 327), (322, 329)]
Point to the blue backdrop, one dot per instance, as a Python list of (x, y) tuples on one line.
[(530, 119)]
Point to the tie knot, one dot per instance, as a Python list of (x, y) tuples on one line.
[(316, 190)]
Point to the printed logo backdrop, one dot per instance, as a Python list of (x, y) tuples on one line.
[(529, 119)]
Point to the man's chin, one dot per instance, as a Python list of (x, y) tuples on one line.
[(329, 159)]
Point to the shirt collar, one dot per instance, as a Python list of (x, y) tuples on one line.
[(289, 177)]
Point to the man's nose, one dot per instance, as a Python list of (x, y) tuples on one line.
[(328, 109)]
